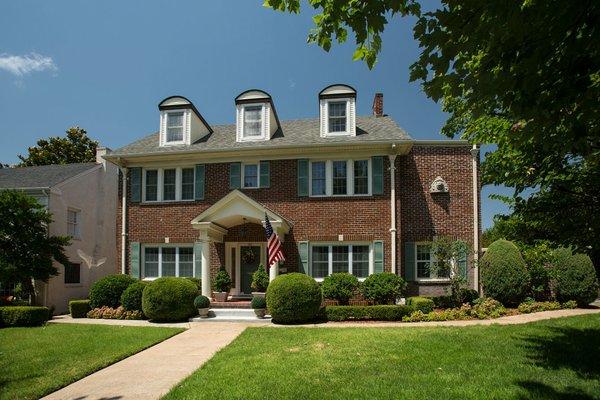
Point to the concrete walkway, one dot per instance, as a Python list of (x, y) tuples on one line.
[(151, 373)]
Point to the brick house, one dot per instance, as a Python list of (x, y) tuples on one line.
[(343, 192)]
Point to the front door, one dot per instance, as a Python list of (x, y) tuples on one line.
[(249, 261)]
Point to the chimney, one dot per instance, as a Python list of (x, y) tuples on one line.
[(101, 151), (378, 105)]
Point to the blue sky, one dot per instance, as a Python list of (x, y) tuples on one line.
[(105, 66)]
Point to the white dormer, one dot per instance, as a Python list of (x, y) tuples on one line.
[(256, 117), (180, 122), (337, 104)]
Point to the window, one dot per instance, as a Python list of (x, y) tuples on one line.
[(168, 261), (337, 116), (73, 224), (340, 178), (351, 258), (73, 273), (252, 121), (425, 263), (250, 175), (174, 127), (171, 184)]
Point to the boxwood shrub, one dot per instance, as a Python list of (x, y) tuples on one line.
[(576, 280), (131, 299), (420, 303), (108, 290), (79, 308), (504, 276), (293, 298), (383, 288), (367, 313), (201, 302), (169, 299), (23, 315), (339, 286)]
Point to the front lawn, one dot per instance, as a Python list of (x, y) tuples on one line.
[(38, 361), (546, 360)]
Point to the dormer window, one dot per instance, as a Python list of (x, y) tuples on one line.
[(256, 118), (175, 127), (253, 122), (338, 115), (180, 122)]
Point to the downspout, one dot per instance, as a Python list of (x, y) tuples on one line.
[(392, 158), (123, 221), (475, 159)]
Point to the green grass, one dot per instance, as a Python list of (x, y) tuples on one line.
[(555, 359), (38, 361)]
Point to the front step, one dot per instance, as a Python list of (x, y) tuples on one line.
[(231, 315)]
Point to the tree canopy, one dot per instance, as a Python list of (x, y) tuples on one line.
[(76, 147)]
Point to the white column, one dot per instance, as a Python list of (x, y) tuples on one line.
[(392, 158), (273, 271), (475, 156), (206, 290)]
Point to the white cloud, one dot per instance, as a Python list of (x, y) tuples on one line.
[(26, 64)]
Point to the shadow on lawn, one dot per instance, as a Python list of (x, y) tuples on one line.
[(575, 349), (537, 390)]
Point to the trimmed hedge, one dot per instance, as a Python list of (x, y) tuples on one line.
[(201, 302), (367, 313), (108, 290), (576, 280), (504, 276), (420, 303), (383, 288), (23, 315), (131, 299), (340, 286), (294, 298), (79, 308), (195, 281), (169, 299)]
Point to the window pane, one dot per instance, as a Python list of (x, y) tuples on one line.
[(361, 177), (175, 127), (187, 184), (318, 178), (73, 223), (252, 120), (186, 261), (168, 261), (151, 185), (169, 178), (337, 116), (251, 175), (339, 177), (73, 273), (340, 258), (360, 261), (424, 261), (151, 262), (320, 261)]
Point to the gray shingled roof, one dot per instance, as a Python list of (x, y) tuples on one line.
[(292, 133), (44, 176)]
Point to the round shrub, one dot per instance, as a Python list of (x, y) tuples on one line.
[(504, 276), (422, 304), (259, 302), (201, 302), (23, 315), (79, 308), (196, 281), (339, 286), (108, 290), (131, 299), (383, 288), (576, 280), (293, 298), (169, 299)]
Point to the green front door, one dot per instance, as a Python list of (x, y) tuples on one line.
[(249, 260)]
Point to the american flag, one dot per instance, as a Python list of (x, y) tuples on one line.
[(274, 247)]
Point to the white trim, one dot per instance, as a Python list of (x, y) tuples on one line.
[(160, 184), (241, 119), (161, 246), (475, 187), (371, 269), (237, 288), (185, 127), (431, 261), (350, 116), (349, 177), (243, 175)]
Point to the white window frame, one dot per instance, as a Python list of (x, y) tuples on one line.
[(166, 127), (160, 247), (262, 135), (431, 262), (341, 133), (349, 178), (160, 182), (243, 175), (330, 256), (76, 225)]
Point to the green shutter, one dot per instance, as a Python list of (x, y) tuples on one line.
[(197, 259), (235, 175), (199, 182), (378, 255), (377, 165), (462, 266), (303, 265), (303, 178), (134, 259), (265, 179), (135, 181), (409, 261)]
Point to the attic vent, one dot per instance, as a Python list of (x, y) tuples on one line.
[(438, 185)]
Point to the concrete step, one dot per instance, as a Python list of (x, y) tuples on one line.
[(231, 315)]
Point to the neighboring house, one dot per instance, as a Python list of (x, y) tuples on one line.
[(82, 200), (345, 193)]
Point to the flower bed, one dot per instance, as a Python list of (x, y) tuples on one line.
[(106, 312)]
